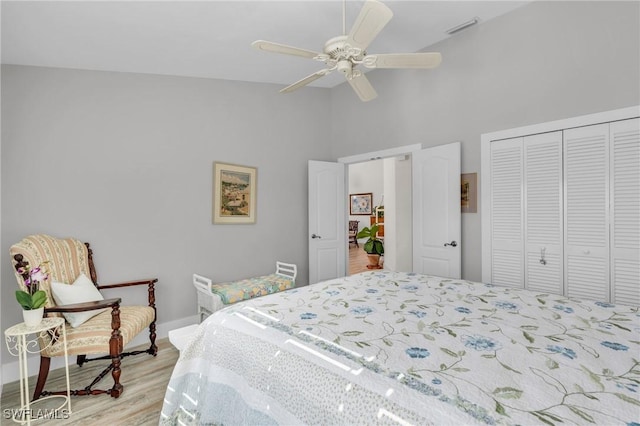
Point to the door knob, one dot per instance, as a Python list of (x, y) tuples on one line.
[(315, 236), (452, 244)]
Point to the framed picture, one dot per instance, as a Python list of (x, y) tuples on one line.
[(469, 192), (360, 204), (234, 194)]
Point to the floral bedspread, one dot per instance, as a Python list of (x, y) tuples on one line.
[(400, 348), (251, 287)]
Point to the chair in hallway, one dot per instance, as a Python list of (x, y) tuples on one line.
[(353, 231)]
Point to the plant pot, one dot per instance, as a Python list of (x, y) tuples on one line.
[(33, 317), (373, 261)]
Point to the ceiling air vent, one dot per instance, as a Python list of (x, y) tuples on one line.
[(463, 26)]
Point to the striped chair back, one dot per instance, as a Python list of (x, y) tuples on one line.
[(67, 257)]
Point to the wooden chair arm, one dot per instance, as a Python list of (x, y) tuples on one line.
[(129, 283), (87, 306), (150, 282)]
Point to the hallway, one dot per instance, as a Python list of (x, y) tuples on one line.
[(358, 260)]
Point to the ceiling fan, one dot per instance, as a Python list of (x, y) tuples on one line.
[(344, 53)]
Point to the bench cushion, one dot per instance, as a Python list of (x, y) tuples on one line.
[(251, 287)]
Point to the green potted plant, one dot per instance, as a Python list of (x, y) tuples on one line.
[(373, 246)]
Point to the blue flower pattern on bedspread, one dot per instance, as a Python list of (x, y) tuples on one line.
[(418, 314), (569, 353), (418, 352), (615, 346), (494, 355), (361, 310), (481, 343)]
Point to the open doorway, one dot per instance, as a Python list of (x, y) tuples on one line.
[(388, 181), (432, 233)]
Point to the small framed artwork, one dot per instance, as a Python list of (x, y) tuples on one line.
[(469, 192), (234, 194), (360, 204)]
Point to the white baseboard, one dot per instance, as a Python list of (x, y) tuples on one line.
[(11, 370)]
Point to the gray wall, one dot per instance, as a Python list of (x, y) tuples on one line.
[(124, 161), (542, 62)]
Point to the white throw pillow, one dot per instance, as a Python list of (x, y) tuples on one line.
[(81, 291)]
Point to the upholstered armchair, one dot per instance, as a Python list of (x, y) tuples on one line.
[(110, 326)]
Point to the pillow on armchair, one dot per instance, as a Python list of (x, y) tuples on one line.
[(82, 290)]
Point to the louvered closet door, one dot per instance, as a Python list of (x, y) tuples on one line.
[(543, 212), (625, 211), (586, 160), (506, 217)]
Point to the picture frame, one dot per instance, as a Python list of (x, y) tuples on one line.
[(361, 204), (469, 193), (234, 194)]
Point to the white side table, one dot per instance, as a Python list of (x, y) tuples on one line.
[(51, 330)]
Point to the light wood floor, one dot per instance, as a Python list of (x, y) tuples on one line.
[(144, 378), (358, 259)]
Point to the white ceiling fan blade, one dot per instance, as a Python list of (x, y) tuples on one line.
[(283, 48), (301, 83), (403, 60), (363, 88), (371, 20)]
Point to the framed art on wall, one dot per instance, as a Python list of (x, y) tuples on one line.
[(234, 194), (360, 204)]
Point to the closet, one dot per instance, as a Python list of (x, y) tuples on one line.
[(561, 207)]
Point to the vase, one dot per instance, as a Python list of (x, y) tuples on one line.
[(373, 261), (33, 317)]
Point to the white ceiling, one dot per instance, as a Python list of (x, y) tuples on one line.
[(212, 39)]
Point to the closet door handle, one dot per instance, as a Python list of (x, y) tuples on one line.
[(315, 236), (452, 244)]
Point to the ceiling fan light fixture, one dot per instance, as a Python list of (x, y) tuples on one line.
[(345, 67), (463, 26)]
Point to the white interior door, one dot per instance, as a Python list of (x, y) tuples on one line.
[(625, 215), (327, 221), (542, 212), (436, 211), (586, 207), (504, 175)]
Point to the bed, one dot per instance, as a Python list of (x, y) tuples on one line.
[(401, 348)]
